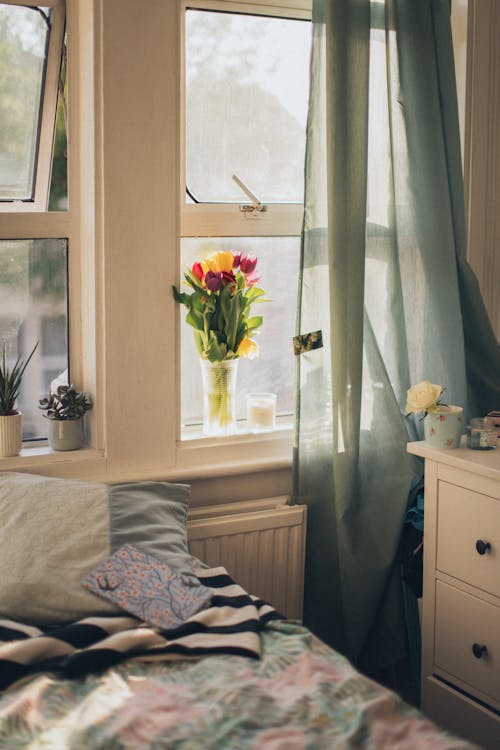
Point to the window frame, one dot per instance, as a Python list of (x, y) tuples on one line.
[(33, 220), (221, 219), (226, 219), (47, 118)]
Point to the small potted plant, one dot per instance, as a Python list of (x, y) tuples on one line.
[(11, 419), (65, 410)]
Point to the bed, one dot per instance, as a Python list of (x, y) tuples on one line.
[(77, 671)]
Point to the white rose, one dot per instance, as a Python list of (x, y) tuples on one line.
[(423, 397)]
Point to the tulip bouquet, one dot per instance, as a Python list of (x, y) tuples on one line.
[(224, 288)]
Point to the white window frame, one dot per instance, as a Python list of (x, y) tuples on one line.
[(31, 220), (49, 97), (227, 219)]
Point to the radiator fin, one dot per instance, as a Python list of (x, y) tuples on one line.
[(262, 550)]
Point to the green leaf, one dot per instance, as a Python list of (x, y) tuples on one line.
[(233, 314), (198, 341), (216, 351), (181, 297), (254, 322), (194, 282), (254, 293), (10, 380), (194, 319)]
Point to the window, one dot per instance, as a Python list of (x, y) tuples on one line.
[(118, 249), (246, 96), (35, 226), (30, 65)]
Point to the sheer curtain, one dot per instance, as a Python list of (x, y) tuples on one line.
[(384, 277)]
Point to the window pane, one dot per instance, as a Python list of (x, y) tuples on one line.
[(23, 40), (273, 370), (53, 335), (247, 80), (33, 307)]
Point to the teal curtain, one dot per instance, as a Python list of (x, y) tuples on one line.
[(384, 277)]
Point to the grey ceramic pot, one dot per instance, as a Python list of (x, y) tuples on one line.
[(66, 434)]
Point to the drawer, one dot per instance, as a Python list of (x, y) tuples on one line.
[(464, 518), (463, 620)]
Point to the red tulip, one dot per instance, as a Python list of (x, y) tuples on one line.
[(197, 270), (248, 263), (236, 259), (228, 278)]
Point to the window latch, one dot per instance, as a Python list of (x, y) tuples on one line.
[(256, 206)]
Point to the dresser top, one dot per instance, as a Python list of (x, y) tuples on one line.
[(486, 463)]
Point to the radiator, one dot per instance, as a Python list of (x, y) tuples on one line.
[(262, 548)]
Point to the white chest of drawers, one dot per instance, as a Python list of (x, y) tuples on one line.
[(461, 596)]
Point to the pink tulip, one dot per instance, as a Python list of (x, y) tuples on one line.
[(248, 263), (252, 278)]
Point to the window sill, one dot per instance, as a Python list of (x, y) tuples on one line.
[(245, 452), (42, 458), (197, 457), (195, 432)]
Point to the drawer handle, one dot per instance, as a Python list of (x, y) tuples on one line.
[(479, 651), (482, 547)]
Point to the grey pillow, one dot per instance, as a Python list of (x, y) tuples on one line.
[(53, 532)]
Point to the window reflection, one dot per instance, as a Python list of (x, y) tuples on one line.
[(33, 307)]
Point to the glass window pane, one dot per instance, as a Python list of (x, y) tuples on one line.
[(23, 43), (273, 369), (247, 81), (53, 335), (33, 307)]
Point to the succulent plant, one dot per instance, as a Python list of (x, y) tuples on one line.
[(65, 403), (10, 381)]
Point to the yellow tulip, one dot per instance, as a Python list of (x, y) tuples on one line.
[(248, 348), (221, 261)]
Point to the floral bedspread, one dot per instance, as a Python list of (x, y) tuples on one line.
[(299, 695)]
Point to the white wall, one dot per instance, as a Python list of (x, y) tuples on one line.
[(482, 150)]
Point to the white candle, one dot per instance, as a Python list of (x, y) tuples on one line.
[(261, 411)]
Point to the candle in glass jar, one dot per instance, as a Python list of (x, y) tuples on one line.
[(261, 411)]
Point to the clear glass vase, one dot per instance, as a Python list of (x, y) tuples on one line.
[(219, 396)]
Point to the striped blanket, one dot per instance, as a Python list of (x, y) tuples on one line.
[(229, 625)]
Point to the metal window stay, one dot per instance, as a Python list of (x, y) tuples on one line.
[(249, 209)]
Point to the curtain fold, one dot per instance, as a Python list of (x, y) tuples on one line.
[(383, 275)]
